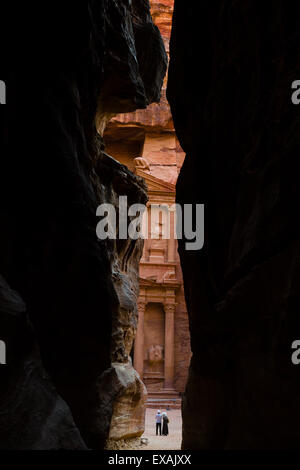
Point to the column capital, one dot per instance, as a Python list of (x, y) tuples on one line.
[(141, 303), (170, 308)]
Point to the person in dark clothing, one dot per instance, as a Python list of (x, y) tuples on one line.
[(165, 428), (158, 418)]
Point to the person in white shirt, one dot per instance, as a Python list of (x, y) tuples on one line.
[(158, 418)]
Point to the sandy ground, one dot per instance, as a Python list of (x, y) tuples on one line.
[(170, 442)]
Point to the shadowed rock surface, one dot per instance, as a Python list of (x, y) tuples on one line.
[(128, 419), (64, 70), (231, 70), (29, 402), (120, 387)]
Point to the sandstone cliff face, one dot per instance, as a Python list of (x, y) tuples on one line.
[(157, 117), (32, 414), (232, 65), (120, 387), (66, 297), (128, 419)]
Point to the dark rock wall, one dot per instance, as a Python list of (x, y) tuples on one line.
[(122, 393), (231, 70), (65, 69)]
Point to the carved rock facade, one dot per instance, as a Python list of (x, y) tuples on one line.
[(145, 142)]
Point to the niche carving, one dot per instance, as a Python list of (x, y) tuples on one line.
[(155, 354)]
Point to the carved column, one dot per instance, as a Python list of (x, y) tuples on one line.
[(169, 345), (139, 340), (171, 240)]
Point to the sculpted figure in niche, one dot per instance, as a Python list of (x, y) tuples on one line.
[(169, 275), (155, 353), (142, 163)]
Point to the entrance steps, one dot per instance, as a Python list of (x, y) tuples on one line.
[(164, 399)]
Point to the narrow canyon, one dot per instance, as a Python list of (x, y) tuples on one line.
[(112, 98)]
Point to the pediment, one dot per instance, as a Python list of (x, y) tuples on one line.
[(146, 282), (156, 184)]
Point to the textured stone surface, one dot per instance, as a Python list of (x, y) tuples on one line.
[(182, 339), (232, 65), (28, 401), (120, 387), (133, 73), (64, 69), (157, 117), (128, 419)]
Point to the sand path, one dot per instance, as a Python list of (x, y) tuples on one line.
[(170, 442)]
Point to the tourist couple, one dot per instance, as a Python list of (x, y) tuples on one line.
[(162, 418)]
